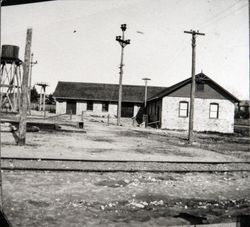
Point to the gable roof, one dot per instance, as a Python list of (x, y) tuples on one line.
[(20, 2), (103, 92), (198, 77)]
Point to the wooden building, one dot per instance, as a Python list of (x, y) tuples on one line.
[(213, 107), (99, 98), (242, 109)]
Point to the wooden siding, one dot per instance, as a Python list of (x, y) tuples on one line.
[(210, 92), (154, 111)]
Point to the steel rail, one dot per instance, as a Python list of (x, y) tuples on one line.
[(81, 165), (123, 161), (118, 170)]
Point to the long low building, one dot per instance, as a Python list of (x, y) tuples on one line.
[(99, 98)]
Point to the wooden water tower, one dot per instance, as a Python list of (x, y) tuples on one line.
[(10, 78)]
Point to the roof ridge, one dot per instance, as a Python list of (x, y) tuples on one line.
[(102, 91), (130, 85), (172, 88)]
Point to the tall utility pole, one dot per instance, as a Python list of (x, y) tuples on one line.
[(1, 181), (146, 90), (25, 90), (123, 43), (249, 44), (32, 63), (192, 90)]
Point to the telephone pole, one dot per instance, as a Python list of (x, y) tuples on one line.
[(146, 90), (192, 90), (25, 90), (123, 43), (32, 63), (248, 44)]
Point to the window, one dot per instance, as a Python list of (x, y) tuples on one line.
[(183, 109), (105, 107), (214, 110), (90, 105)]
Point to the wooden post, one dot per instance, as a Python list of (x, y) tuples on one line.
[(145, 119), (30, 74), (146, 91), (123, 43), (108, 120), (30, 80), (25, 90), (40, 101), (70, 114), (82, 116), (192, 90), (44, 110)]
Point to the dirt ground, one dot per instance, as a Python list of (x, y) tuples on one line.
[(125, 199), (128, 143), (122, 199)]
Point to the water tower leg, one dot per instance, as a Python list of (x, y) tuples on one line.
[(19, 88)]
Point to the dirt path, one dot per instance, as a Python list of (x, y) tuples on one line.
[(124, 143)]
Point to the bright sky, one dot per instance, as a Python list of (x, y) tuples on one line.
[(162, 52)]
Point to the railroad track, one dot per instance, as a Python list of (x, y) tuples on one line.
[(81, 165)]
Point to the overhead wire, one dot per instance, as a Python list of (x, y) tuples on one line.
[(220, 16)]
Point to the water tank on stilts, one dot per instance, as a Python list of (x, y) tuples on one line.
[(11, 78)]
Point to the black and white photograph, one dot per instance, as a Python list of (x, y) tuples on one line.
[(124, 113)]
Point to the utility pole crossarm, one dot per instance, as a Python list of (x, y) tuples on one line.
[(194, 32)]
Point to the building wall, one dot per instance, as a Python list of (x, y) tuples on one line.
[(97, 108), (113, 109), (80, 107), (202, 122), (136, 109), (60, 107)]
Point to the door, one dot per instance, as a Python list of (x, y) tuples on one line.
[(71, 107), (127, 109)]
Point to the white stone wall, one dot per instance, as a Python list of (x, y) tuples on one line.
[(113, 109), (81, 106), (60, 107), (136, 109), (97, 107), (202, 122)]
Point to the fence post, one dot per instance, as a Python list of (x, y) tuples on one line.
[(145, 119), (70, 117), (133, 122), (108, 120), (82, 116)]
